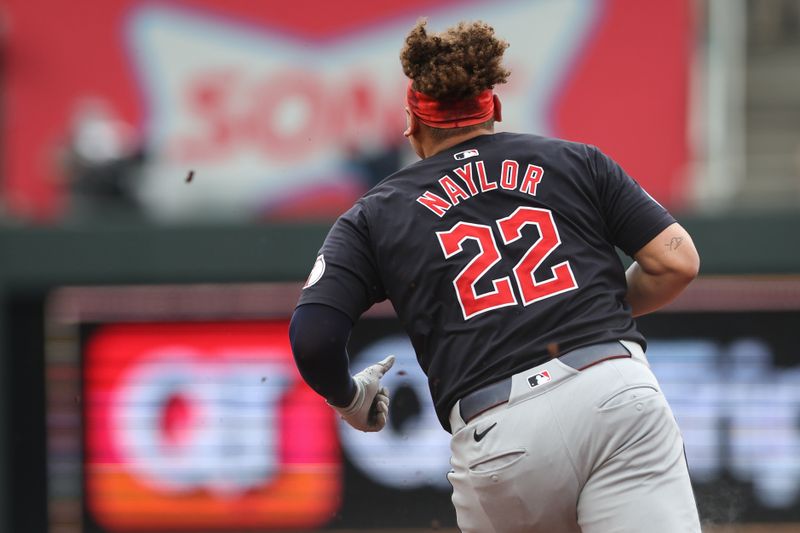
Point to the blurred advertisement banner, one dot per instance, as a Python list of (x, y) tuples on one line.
[(735, 393), (193, 416), (204, 427), (183, 431), (294, 110)]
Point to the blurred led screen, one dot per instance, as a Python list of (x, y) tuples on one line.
[(204, 426), (194, 418)]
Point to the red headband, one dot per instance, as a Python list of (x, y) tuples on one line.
[(450, 113)]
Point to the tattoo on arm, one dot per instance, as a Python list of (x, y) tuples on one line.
[(674, 243)]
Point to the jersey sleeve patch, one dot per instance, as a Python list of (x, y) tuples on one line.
[(316, 271)]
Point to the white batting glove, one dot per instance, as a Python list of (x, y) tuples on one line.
[(370, 406)]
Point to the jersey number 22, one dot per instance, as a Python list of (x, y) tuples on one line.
[(530, 289)]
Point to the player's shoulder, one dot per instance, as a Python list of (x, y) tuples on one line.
[(541, 144), (380, 193), (397, 179), (398, 183), (573, 158)]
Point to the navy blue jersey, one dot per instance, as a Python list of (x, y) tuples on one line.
[(496, 254)]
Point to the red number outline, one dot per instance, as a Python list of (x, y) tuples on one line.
[(562, 279), (472, 304)]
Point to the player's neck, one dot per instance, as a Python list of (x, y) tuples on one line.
[(431, 147)]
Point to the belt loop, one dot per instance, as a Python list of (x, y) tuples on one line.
[(636, 351)]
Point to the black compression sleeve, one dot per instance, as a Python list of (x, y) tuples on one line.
[(319, 334)]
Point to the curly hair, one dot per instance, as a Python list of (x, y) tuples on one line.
[(457, 63)]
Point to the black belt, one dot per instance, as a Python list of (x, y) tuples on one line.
[(497, 393)]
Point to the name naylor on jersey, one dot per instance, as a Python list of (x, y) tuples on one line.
[(470, 180)]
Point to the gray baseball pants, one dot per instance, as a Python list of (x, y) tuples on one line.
[(592, 451)]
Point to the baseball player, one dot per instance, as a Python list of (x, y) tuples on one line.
[(498, 253)]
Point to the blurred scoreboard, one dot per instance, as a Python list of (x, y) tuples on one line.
[(179, 408)]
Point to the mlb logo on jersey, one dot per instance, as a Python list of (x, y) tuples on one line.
[(539, 379), (465, 154)]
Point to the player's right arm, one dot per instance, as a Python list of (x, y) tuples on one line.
[(318, 335), (662, 269), (343, 284)]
